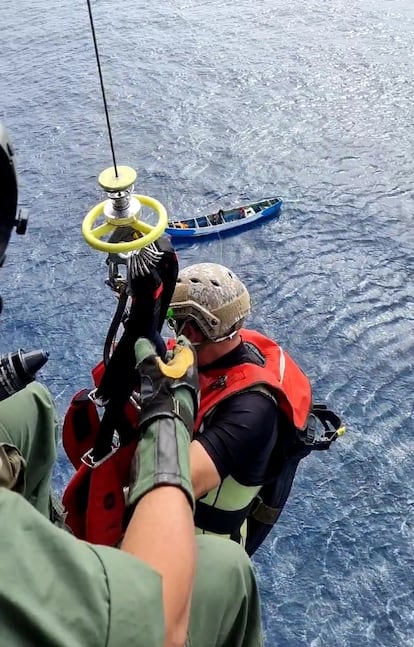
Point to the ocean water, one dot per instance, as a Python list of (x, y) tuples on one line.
[(216, 103)]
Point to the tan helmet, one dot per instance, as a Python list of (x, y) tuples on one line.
[(212, 296)]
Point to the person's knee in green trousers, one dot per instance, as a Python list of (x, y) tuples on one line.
[(29, 421)]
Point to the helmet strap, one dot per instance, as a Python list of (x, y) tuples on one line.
[(230, 336)]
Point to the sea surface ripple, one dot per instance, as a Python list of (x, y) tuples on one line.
[(217, 103)]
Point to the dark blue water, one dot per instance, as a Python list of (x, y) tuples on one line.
[(216, 103)]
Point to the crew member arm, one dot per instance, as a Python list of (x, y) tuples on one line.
[(237, 440), (161, 529), (161, 533)]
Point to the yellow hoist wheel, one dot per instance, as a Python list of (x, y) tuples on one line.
[(146, 233)]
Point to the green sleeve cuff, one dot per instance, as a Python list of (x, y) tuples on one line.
[(162, 458)]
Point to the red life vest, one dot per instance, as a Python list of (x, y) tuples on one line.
[(279, 371), (94, 498)]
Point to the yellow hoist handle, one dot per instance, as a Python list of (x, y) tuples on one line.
[(145, 233)]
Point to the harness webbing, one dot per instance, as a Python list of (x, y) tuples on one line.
[(151, 297)]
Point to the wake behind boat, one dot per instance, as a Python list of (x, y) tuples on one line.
[(225, 221)]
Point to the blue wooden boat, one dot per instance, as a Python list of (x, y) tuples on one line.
[(224, 221)]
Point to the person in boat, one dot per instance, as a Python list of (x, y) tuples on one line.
[(161, 586), (217, 218)]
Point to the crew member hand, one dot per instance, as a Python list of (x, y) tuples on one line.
[(169, 389), (169, 403)]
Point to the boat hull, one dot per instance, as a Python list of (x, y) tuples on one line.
[(233, 222)]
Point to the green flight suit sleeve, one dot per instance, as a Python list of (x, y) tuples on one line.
[(61, 592)]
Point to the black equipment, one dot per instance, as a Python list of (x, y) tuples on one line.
[(10, 216), (19, 369)]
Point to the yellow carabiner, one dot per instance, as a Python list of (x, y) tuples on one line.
[(180, 363)]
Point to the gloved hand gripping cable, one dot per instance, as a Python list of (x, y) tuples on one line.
[(169, 401)]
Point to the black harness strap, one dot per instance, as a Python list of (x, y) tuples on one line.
[(152, 294), (222, 522), (322, 430), (264, 513)]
